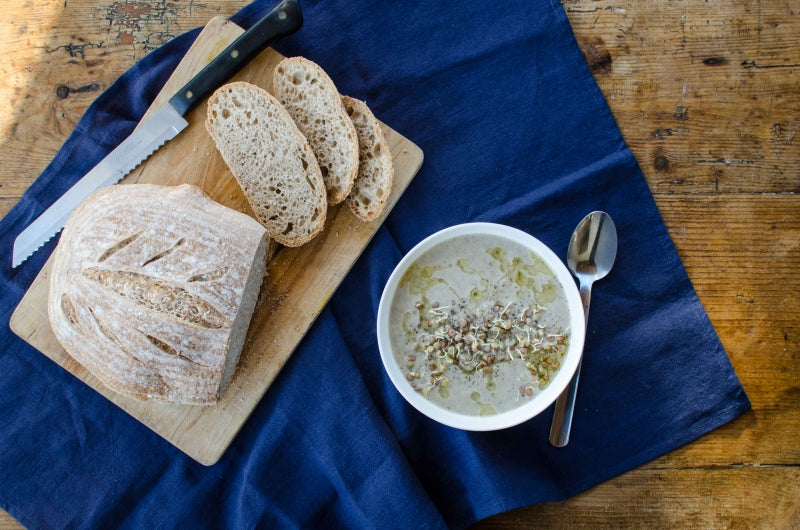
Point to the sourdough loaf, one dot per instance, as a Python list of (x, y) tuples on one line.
[(373, 184), (271, 160), (314, 103), (152, 290)]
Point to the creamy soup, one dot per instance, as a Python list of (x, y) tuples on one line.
[(479, 324)]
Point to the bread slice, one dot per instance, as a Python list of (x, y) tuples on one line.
[(316, 107), (152, 290), (271, 160), (375, 168)]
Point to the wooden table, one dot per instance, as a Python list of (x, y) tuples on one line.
[(707, 95)]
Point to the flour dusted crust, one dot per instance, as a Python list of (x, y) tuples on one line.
[(152, 289), (373, 185), (314, 103)]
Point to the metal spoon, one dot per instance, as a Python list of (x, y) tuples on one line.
[(591, 254)]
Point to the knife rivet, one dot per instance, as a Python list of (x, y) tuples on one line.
[(282, 15), (235, 54), (189, 94)]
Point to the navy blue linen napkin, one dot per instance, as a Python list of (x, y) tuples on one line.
[(514, 131)]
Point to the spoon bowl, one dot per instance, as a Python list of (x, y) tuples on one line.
[(590, 257), (593, 247)]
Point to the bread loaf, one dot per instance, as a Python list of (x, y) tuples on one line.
[(316, 107), (152, 290), (270, 159), (375, 168)]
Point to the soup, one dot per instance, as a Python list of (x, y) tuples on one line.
[(479, 325)]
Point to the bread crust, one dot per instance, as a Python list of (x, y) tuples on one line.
[(152, 290), (313, 101), (373, 185)]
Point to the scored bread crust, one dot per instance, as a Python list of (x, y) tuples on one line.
[(373, 185), (270, 159), (152, 290), (314, 103)]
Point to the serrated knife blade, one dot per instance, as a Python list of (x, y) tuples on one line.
[(162, 126)]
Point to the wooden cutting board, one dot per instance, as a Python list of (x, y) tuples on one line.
[(299, 283)]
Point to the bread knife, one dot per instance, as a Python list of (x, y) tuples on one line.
[(163, 125)]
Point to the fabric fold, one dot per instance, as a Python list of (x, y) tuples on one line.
[(514, 130)]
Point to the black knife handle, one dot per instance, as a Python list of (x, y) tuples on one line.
[(282, 21)]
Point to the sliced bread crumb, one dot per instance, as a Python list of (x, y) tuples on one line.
[(313, 101)]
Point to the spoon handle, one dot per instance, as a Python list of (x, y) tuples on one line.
[(565, 404)]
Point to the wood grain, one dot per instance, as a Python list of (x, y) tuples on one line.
[(59, 56), (706, 96)]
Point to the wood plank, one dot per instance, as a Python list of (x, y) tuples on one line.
[(702, 93), (9, 523), (59, 56), (743, 497)]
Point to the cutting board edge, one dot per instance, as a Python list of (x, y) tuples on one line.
[(207, 455)]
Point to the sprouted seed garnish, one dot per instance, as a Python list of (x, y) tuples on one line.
[(476, 341), (480, 325)]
